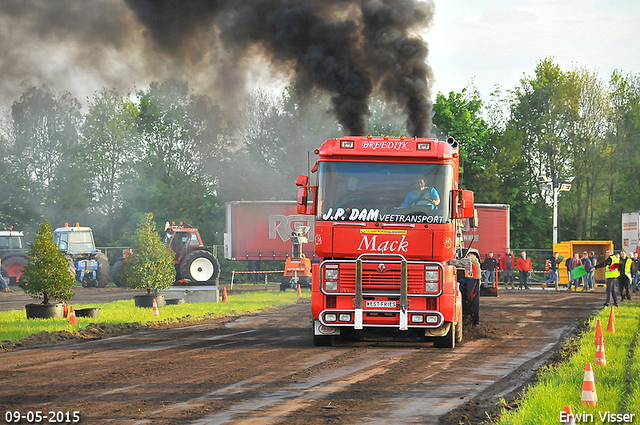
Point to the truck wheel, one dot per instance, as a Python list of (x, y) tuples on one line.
[(104, 270), (459, 333), (321, 340), (447, 341), (115, 273), (199, 266), (14, 265)]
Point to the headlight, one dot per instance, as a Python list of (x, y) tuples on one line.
[(331, 274), (431, 287), (431, 275), (330, 317), (432, 319), (417, 318), (331, 285), (345, 317)]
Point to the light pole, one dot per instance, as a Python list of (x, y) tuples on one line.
[(557, 185)]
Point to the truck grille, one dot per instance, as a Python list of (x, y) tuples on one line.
[(387, 282)]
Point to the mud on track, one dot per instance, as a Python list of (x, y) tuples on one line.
[(264, 369)]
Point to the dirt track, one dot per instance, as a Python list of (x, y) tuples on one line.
[(263, 369)]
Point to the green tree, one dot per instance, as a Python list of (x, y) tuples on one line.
[(47, 275), (46, 150), (150, 265), (460, 115), (111, 146)]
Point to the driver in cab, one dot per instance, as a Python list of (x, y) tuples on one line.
[(422, 195)]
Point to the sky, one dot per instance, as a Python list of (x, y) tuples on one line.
[(498, 42), (487, 42)]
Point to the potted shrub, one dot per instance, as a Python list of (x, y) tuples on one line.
[(46, 276), (150, 264)]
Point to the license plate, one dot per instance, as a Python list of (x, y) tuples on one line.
[(383, 304)]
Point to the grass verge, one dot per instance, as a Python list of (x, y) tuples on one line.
[(14, 326), (617, 384)]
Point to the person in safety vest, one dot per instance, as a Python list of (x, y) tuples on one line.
[(624, 279), (611, 275)]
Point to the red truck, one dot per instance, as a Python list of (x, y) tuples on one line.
[(388, 228)]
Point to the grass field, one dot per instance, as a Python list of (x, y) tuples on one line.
[(617, 383), (15, 326)]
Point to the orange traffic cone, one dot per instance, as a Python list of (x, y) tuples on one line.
[(568, 418), (600, 357), (224, 295), (611, 327), (155, 308), (72, 316), (589, 396), (299, 291), (65, 310), (599, 336)]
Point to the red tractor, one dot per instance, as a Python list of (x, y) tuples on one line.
[(195, 263)]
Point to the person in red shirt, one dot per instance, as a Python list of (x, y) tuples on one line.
[(507, 264), (524, 266)]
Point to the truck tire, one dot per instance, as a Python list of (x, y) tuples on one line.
[(321, 340), (199, 266), (447, 341), (115, 273), (14, 265), (104, 270), (459, 333)]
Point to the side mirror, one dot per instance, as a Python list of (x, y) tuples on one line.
[(463, 204), (473, 221), (302, 200), (302, 181)]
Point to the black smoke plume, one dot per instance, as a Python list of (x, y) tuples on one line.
[(348, 48)]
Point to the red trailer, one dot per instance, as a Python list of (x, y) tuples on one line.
[(261, 230), (492, 233)]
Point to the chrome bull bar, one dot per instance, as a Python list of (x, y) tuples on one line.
[(404, 302)]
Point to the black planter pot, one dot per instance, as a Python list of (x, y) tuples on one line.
[(44, 311), (147, 300), (87, 312)]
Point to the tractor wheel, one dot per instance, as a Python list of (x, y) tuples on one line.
[(285, 283), (104, 270), (72, 268), (199, 266), (305, 282), (115, 273), (14, 265)]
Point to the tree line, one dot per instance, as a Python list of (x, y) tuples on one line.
[(176, 154)]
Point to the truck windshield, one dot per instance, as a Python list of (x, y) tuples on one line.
[(387, 192)]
